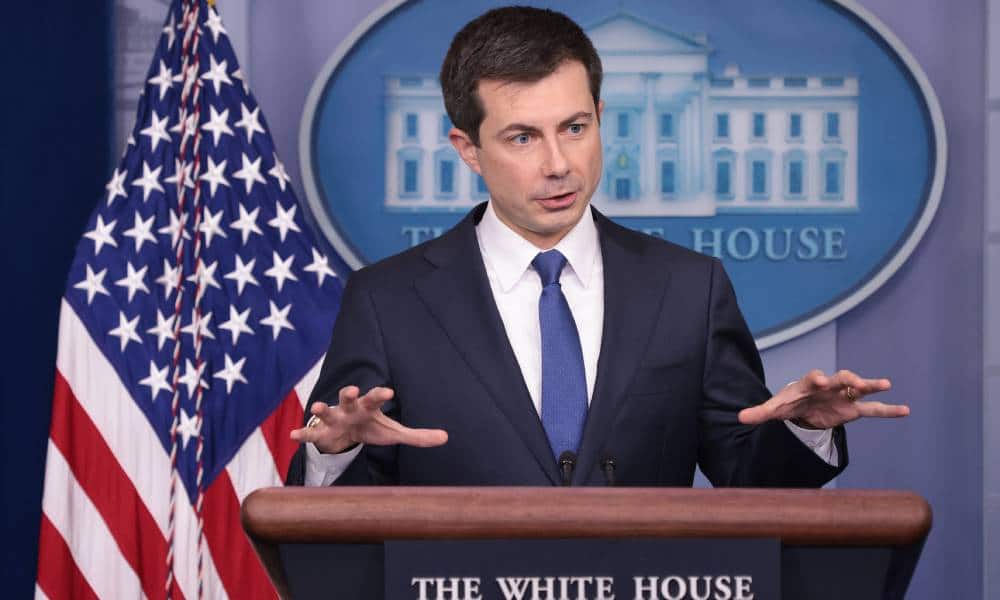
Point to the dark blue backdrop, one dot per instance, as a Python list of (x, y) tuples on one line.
[(57, 102)]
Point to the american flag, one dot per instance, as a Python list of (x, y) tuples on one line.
[(196, 312)]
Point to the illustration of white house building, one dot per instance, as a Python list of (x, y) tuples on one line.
[(678, 139)]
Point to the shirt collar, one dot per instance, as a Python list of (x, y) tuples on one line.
[(510, 255)]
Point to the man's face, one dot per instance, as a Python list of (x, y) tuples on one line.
[(539, 152)]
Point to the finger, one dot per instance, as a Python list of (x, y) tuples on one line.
[(861, 385), (755, 415), (882, 410), (376, 397), (423, 438), (815, 380), (348, 396)]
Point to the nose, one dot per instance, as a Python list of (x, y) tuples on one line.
[(555, 163)]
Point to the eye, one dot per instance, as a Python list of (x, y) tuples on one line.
[(521, 139), (575, 128)]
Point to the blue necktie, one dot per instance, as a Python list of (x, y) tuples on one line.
[(564, 385)]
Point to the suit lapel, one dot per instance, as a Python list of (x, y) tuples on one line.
[(633, 294), (457, 293)]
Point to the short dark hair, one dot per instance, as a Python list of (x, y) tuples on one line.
[(517, 44)]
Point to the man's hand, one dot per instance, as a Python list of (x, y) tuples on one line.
[(820, 402), (361, 420)]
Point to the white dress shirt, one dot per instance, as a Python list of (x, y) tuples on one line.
[(516, 288)]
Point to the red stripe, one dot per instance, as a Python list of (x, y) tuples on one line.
[(240, 570), (101, 476), (58, 575), (286, 417)]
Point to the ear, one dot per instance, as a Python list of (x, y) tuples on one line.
[(600, 110), (468, 151)]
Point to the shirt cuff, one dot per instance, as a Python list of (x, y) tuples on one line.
[(819, 441), (324, 469)]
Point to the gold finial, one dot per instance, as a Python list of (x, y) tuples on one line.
[(211, 3)]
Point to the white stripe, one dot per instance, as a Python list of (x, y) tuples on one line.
[(253, 466), (132, 440), (39, 594), (305, 387), (75, 517), (186, 554)]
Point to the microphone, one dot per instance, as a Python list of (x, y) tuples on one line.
[(608, 467), (567, 462)]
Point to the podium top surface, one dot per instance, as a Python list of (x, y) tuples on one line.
[(376, 514)]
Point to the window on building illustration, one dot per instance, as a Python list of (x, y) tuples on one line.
[(832, 130), (795, 126), (796, 82), (446, 175), (795, 178), (759, 82), (758, 178), (623, 125), (410, 127), (668, 178), (832, 180), (759, 126), (667, 126), (445, 126), (623, 188), (410, 181), (723, 179), (410, 82), (831, 82), (722, 126)]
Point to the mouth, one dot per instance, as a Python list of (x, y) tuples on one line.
[(558, 201)]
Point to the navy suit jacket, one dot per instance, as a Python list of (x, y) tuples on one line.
[(677, 363)]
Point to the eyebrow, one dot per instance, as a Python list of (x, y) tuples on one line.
[(577, 117)]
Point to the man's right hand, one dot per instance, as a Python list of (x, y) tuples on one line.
[(359, 419)]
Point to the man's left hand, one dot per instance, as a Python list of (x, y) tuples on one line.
[(818, 401)]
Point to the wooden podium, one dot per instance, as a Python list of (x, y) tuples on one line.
[(834, 543)]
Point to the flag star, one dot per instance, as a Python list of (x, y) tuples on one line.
[(164, 80), (182, 172), (149, 181), (237, 323), (279, 173), (116, 187), (232, 373), (125, 332), (278, 319), (189, 427), (192, 377), (216, 73), (320, 266), (174, 230), (217, 124), (141, 231), (164, 329), (247, 223), (157, 380), (199, 326), (250, 173), (281, 270), (156, 131), (93, 284), (214, 175), (204, 276), (170, 279), (134, 280), (170, 31), (284, 221), (101, 234), (238, 74), (185, 125), (214, 23), (210, 226), (249, 121), (242, 273)]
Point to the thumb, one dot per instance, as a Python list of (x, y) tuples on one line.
[(755, 415)]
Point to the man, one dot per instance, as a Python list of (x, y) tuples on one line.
[(537, 342)]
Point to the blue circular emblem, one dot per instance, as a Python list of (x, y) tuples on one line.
[(798, 141)]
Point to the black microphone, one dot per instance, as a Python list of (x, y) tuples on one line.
[(567, 462), (608, 467)]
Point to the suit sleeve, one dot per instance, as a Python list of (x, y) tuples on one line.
[(733, 454), (356, 356)]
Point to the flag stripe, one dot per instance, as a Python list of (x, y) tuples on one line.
[(115, 498), (74, 517), (274, 431), (66, 582), (253, 466), (240, 570)]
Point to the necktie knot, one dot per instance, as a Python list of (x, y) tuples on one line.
[(549, 266)]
